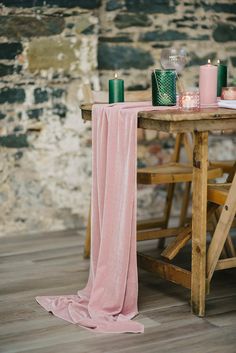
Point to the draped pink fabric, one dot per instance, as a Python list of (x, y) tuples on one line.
[(109, 300)]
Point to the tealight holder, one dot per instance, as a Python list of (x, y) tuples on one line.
[(163, 87), (228, 93), (189, 100)]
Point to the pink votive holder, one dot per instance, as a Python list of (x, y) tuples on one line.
[(189, 100), (228, 93)]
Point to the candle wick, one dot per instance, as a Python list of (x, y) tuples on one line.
[(209, 61)]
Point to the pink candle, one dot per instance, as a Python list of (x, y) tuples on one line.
[(208, 84)]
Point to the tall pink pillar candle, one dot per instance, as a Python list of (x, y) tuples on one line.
[(208, 84)]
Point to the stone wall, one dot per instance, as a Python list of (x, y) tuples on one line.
[(134, 32), (48, 50), (47, 54)]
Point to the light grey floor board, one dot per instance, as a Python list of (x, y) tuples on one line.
[(52, 263)]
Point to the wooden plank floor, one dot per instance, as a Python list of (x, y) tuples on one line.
[(52, 263)]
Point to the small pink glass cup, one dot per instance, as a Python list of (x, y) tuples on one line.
[(189, 100), (228, 93)]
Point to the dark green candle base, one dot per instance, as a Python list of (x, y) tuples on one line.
[(164, 88), (116, 90)]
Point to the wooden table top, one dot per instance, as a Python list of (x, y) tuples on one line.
[(210, 119)]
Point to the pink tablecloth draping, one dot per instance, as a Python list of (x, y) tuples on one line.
[(109, 300)]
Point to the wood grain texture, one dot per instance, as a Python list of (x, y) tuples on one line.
[(53, 263), (226, 263), (199, 222), (178, 121), (222, 229), (158, 233), (226, 166), (171, 173), (165, 270), (187, 125), (178, 115), (151, 223), (178, 243), (185, 204), (218, 193)]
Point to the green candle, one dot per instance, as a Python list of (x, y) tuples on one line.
[(116, 90), (221, 77)]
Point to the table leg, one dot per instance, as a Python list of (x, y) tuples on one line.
[(199, 224)]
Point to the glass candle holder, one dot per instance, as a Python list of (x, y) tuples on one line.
[(228, 93), (163, 87), (189, 101)]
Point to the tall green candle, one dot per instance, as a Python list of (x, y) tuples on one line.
[(116, 90), (221, 77)]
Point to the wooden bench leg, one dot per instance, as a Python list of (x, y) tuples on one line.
[(169, 200), (171, 188), (229, 246), (150, 224), (185, 204), (215, 220), (178, 243), (222, 230), (199, 223)]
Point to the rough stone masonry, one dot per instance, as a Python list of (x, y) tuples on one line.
[(48, 51)]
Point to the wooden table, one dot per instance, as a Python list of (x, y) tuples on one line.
[(199, 123)]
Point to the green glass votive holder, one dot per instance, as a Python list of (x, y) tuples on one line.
[(164, 87)]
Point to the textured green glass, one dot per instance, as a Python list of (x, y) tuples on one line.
[(221, 78), (116, 90), (164, 87)]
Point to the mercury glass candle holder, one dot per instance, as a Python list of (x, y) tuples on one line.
[(189, 100)]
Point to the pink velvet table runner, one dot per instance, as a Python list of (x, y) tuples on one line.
[(109, 300)]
